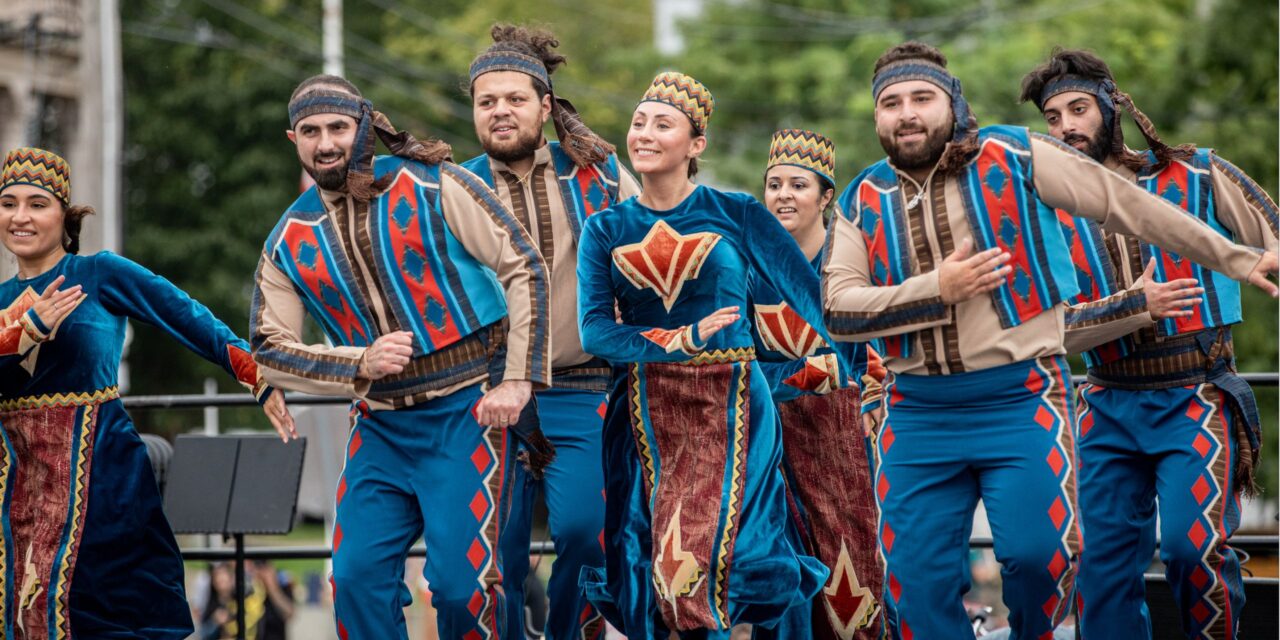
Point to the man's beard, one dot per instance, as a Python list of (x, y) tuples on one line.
[(1098, 147), (921, 157), (328, 179), (525, 145)]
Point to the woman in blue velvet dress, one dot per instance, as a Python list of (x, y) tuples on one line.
[(86, 551), (826, 459), (695, 505)]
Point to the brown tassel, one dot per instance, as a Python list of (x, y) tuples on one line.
[(582, 145), (960, 152), (403, 144), (537, 454), (1138, 161), (1246, 459)]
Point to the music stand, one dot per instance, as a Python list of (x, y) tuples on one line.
[(233, 485)]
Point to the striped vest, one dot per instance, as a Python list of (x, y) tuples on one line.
[(1002, 209), (1189, 185), (585, 190), (428, 282)]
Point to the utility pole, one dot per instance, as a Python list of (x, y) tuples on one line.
[(332, 33)]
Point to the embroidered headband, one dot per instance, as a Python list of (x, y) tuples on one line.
[(38, 168), (966, 124), (498, 59), (805, 149), (684, 93), (325, 101), (1101, 90)]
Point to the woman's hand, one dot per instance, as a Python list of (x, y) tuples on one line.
[(54, 304), (279, 416), (718, 320)]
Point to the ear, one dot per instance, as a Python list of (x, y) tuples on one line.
[(546, 107), (697, 146), (293, 137), (825, 200)]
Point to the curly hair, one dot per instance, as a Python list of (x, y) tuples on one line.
[(910, 50), (531, 41), (327, 81), (1063, 62)]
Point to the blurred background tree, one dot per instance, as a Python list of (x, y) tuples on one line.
[(209, 169)]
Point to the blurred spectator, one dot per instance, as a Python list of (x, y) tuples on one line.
[(268, 603)]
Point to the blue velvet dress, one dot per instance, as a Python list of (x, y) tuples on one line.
[(87, 552), (695, 503)]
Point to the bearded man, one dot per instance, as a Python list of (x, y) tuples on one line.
[(1163, 417), (426, 287), (551, 187), (951, 252)]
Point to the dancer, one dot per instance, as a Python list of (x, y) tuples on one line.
[(87, 552), (395, 258), (1163, 414), (551, 188), (825, 457), (951, 251), (692, 439)]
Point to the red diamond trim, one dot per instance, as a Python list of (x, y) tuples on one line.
[(1199, 578), (895, 589), (479, 504), (1200, 490), (600, 410), (883, 487), (337, 536), (1086, 423), (888, 537), (1044, 418), (1055, 461), (1050, 606), (1195, 411), (481, 458), (473, 635), (887, 438), (907, 634), (354, 445), (894, 396), (476, 553), (476, 602), (1057, 513), (1035, 382), (1048, 635), (1200, 612), (1202, 445), (1197, 534), (1058, 564), (342, 490)]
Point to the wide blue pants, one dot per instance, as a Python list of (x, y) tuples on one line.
[(424, 471), (1003, 435), (573, 487), (1178, 447)]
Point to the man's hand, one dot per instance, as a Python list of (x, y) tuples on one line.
[(1265, 267), (501, 406), (964, 275), (387, 356), (1172, 299), (279, 415)]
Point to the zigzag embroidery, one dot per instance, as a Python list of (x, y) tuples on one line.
[(61, 400)]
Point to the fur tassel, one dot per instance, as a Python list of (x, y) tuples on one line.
[(537, 453), (582, 145)]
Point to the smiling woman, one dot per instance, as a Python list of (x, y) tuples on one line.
[(86, 548)]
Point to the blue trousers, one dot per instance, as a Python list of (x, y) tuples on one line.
[(573, 487), (428, 471), (1178, 447), (1003, 435)]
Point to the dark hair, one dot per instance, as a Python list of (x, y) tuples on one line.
[(530, 41), (73, 218), (911, 50), (324, 80), (1063, 62), (693, 162)]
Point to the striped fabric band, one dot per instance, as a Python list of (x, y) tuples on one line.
[(326, 101), (509, 61)]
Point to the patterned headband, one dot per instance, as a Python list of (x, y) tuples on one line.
[(684, 93), (325, 101), (496, 59), (38, 168), (919, 69), (805, 149), (1100, 89)]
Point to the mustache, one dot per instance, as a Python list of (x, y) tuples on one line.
[(323, 157), (1072, 138), (907, 130)]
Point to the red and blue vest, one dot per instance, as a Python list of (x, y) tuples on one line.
[(1002, 209)]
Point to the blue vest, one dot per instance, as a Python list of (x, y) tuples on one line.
[(431, 286), (1189, 185), (585, 190), (1003, 210)]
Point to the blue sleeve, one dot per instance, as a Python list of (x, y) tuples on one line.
[(602, 334), (129, 289), (780, 264)]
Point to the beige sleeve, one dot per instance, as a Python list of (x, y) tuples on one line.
[(1242, 206), (1071, 181), (284, 361), (856, 310), (1091, 324), (490, 233), (627, 185)]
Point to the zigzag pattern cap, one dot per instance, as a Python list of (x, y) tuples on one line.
[(805, 149), (38, 168), (684, 93)]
